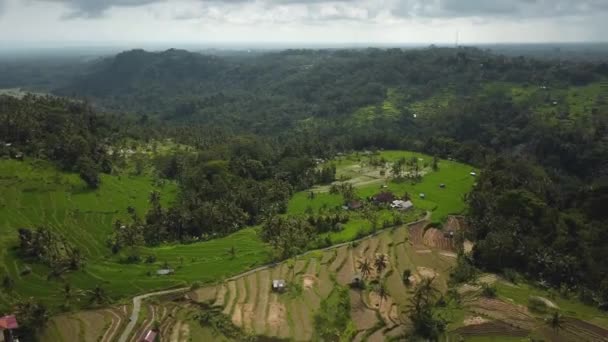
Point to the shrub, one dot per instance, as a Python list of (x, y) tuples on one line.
[(488, 291), (538, 305), (150, 259)]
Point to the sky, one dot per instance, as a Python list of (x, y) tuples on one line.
[(102, 22)]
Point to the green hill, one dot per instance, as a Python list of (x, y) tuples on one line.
[(36, 194)]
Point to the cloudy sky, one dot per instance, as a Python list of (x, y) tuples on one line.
[(31, 22)]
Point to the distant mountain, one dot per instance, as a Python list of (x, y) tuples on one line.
[(277, 90)]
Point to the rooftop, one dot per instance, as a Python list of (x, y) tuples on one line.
[(8, 323)]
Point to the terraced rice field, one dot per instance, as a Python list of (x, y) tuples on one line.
[(252, 305), (35, 194)]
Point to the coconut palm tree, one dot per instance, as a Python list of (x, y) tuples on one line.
[(382, 292), (556, 321), (364, 267), (97, 295), (380, 263)]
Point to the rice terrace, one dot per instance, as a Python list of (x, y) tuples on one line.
[(362, 282)]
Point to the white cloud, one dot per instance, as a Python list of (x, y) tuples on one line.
[(359, 21)]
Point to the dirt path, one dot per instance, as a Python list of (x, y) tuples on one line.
[(116, 322), (137, 308)]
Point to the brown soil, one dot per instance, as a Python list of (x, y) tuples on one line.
[(387, 309), (435, 238), (94, 324), (252, 297), (237, 315), (512, 314), (363, 317), (221, 295), (259, 324), (346, 273), (231, 297), (308, 281), (203, 295), (585, 331), (416, 233), (276, 317), (495, 328)]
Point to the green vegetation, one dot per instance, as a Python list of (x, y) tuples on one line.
[(332, 321), (36, 194)]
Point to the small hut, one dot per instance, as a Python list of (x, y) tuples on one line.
[(279, 285)]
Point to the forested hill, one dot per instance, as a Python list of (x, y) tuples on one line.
[(275, 90)]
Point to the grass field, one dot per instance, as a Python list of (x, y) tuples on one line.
[(36, 194), (368, 181)]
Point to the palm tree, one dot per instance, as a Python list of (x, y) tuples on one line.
[(380, 263), (98, 295), (382, 292), (364, 267), (556, 321)]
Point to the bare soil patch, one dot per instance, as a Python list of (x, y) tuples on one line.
[(362, 317), (495, 328), (426, 272), (386, 308), (416, 233), (221, 295), (346, 273), (585, 331), (277, 317), (512, 314), (259, 324), (237, 315), (203, 295), (436, 238), (308, 281), (474, 320), (448, 254)]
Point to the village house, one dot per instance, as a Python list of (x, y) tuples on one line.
[(150, 336), (384, 197), (354, 205), (7, 325), (402, 205)]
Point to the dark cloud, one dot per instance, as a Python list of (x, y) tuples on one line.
[(512, 9), (96, 8), (515, 9)]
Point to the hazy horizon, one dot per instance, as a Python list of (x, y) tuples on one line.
[(69, 23)]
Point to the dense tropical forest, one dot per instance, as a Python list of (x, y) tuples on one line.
[(252, 129)]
